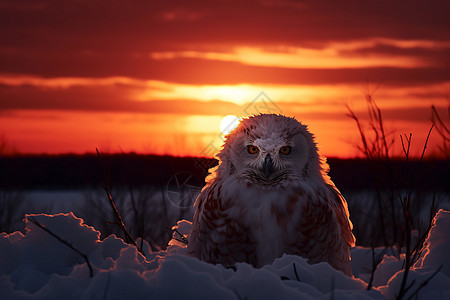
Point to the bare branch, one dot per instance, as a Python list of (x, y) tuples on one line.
[(424, 283), (84, 256), (183, 238), (426, 142), (376, 260), (295, 272), (114, 208)]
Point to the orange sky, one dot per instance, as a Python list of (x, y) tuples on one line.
[(150, 77)]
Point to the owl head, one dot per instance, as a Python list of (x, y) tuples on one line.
[(268, 150)]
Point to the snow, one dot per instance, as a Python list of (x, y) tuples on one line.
[(36, 265), (437, 245)]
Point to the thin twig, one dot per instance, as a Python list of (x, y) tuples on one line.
[(436, 119), (114, 208), (408, 140), (295, 272), (424, 283), (418, 249), (365, 148), (183, 238), (426, 142), (136, 216), (403, 287), (84, 256), (441, 128), (163, 202), (376, 260)]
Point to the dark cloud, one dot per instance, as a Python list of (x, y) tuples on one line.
[(417, 114), (114, 98), (413, 114), (439, 56), (109, 98), (143, 24), (129, 26), (201, 71)]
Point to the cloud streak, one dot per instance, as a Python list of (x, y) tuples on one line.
[(360, 54)]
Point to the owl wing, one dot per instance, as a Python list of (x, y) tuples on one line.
[(341, 210), (319, 235)]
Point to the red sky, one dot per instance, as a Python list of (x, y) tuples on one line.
[(158, 76)]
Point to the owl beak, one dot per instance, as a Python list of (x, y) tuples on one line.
[(267, 165)]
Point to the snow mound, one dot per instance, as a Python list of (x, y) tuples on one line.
[(437, 244), (52, 260)]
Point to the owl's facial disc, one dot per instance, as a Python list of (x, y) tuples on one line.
[(264, 161), (265, 167), (270, 161)]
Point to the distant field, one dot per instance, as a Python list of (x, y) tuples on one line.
[(75, 171)]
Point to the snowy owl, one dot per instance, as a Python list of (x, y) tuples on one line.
[(270, 194)]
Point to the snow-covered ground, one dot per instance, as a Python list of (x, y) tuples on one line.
[(36, 265)]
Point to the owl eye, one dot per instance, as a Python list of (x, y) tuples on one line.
[(285, 150), (252, 149)]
